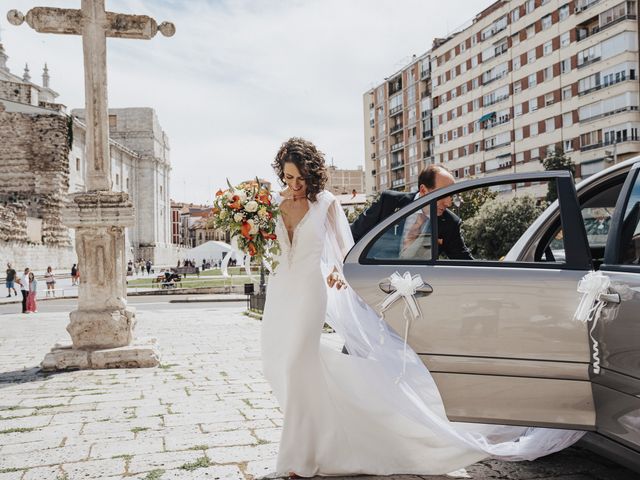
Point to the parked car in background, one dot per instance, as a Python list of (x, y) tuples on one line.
[(498, 334)]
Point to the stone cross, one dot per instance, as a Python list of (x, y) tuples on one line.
[(102, 327), (94, 24)]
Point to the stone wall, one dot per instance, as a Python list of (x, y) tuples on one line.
[(17, 92), (35, 170), (36, 257), (13, 223)]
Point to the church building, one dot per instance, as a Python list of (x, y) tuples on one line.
[(42, 160)]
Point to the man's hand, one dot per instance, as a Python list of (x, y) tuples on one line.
[(335, 279)]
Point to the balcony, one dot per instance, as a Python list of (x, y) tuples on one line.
[(395, 128), (397, 146), (395, 85), (424, 94), (582, 5), (496, 122), (493, 147), (623, 78), (373, 156), (588, 61), (397, 183), (395, 110), (397, 165), (427, 134), (594, 146)]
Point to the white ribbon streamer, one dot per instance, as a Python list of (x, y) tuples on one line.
[(592, 286), (405, 287)]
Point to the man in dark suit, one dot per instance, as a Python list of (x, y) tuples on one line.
[(450, 239)]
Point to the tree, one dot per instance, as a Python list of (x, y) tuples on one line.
[(557, 161), (471, 201), (357, 210), (497, 226)]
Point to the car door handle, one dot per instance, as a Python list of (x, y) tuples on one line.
[(425, 289), (610, 297)]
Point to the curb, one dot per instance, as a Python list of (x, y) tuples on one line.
[(208, 300)]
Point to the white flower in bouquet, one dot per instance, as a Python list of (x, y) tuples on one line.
[(238, 217), (251, 206), (222, 214), (254, 227), (262, 213), (241, 194)]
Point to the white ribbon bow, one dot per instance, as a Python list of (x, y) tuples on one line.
[(405, 287), (591, 286)]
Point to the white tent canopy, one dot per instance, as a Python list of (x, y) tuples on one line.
[(211, 250)]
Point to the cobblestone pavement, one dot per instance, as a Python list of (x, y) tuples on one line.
[(206, 413)]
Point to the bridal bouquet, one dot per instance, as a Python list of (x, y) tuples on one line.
[(246, 211)]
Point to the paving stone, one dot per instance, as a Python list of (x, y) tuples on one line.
[(95, 468), (52, 456), (220, 439), (12, 475), (34, 421), (44, 473), (166, 461), (242, 454), (218, 472), (126, 447)]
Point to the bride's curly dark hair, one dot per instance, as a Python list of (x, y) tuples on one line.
[(309, 160)]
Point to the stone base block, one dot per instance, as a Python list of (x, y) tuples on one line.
[(143, 353)]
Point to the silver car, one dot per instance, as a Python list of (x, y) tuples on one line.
[(499, 336)]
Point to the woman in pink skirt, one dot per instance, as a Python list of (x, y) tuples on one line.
[(31, 298)]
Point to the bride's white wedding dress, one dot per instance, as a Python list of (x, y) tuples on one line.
[(348, 414)]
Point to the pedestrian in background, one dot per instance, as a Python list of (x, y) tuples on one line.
[(23, 281), (148, 265), (31, 297), (74, 275), (50, 279), (10, 280)]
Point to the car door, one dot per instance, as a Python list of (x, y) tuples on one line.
[(617, 382), (497, 336)]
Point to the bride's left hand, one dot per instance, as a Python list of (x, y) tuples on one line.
[(335, 279)]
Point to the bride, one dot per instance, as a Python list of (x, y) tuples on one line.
[(353, 414)]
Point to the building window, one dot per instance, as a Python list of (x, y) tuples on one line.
[(548, 99), (533, 80), (517, 110), (117, 179), (565, 39), (113, 121), (547, 74), (516, 63), (533, 129), (567, 119), (529, 6), (519, 134), (77, 164), (565, 66), (568, 145), (546, 22), (564, 12), (533, 104), (127, 184), (550, 124), (160, 189), (566, 93), (531, 31), (531, 55), (547, 48), (517, 87)]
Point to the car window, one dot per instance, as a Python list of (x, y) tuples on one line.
[(630, 237), (475, 224), (407, 239), (596, 208)]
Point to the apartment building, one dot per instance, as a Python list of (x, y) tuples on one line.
[(398, 128), (528, 76)]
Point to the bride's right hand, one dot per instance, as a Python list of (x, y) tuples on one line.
[(335, 279)]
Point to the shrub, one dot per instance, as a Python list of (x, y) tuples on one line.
[(497, 226)]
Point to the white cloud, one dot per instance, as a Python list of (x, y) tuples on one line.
[(240, 76)]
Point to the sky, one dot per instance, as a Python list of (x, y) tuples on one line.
[(240, 77)]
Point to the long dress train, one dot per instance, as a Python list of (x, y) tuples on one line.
[(351, 414)]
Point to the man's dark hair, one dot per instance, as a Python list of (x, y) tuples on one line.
[(428, 175)]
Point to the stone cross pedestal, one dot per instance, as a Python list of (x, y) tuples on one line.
[(102, 327)]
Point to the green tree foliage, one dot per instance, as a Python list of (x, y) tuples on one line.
[(497, 226), (468, 203), (352, 215), (557, 161)]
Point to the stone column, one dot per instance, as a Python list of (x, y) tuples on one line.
[(102, 327)]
